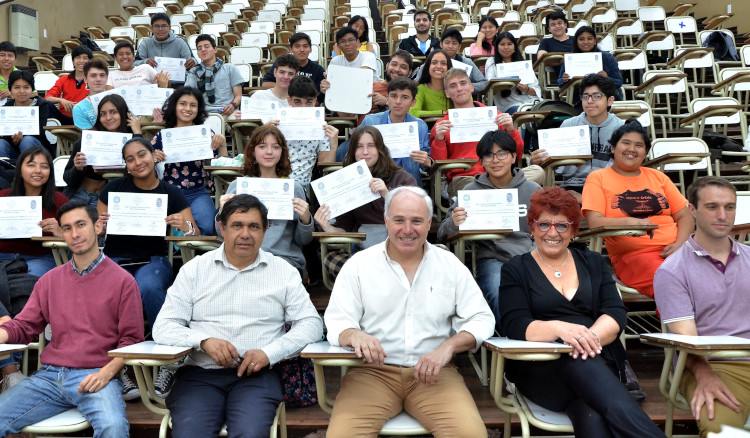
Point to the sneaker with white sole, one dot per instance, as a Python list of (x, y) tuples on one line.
[(164, 381), (11, 380), (129, 388)]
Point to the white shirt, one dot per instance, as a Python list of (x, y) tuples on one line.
[(142, 74), (267, 95), (363, 59), (373, 294), (210, 298)]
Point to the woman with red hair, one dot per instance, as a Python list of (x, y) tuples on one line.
[(558, 294)]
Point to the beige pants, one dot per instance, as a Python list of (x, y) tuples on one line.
[(371, 394)]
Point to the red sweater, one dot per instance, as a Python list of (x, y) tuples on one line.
[(445, 150), (67, 88), (89, 315)]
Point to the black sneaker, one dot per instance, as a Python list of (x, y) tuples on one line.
[(129, 389), (164, 381)]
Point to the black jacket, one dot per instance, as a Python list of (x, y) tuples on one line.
[(411, 45)]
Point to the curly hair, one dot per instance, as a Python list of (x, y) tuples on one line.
[(555, 200), (250, 168), (169, 109)]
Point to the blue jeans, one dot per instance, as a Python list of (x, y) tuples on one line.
[(7, 149), (153, 280), (38, 264), (488, 279), (82, 195), (14, 359), (53, 390), (203, 209), (203, 400)]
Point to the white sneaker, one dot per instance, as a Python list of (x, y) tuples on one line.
[(11, 380), (129, 388)]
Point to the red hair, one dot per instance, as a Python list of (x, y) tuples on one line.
[(555, 200)]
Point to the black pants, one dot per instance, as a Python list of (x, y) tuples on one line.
[(202, 401), (595, 400)]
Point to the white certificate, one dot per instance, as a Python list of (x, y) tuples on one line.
[(581, 64), (302, 123), (174, 66), (103, 148), (275, 193), (470, 124), (400, 138), (15, 119), (142, 100), (462, 65), (191, 143), (20, 217), (258, 109), (345, 189), (137, 214), (565, 142), (495, 209), (350, 88), (522, 70)]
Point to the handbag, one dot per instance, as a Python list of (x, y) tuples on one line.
[(298, 381)]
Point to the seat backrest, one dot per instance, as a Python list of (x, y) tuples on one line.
[(527, 29), (154, 10), (51, 137), (67, 62), (106, 45), (59, 164), (224, 17), (245, 55), (126, 31), (311, 24), (139, 19), (271, 15), (276, 7), (742, 212), (315, 14), (191, 41), (607, 43), (246, 71), (745, 55), (634, 29), (253, 39), (646, 119), (651, 13), (680, 24), (706, 61), (215, 122), (606, 18), (678, 87), (638, 62), (627, 5), (262, 26), (727, 73), (666, 44), (583, 7), (572, 31), (191, 9), (214, 29), (315, 36), (233, 7), (682, 145), (701, 103), (44, 80)]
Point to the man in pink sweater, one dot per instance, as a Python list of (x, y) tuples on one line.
[(92, 306)]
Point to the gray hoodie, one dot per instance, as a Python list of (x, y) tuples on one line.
[(284, 239), (575, 176), (515, 243), (173, 47)]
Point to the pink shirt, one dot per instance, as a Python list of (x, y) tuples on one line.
[(89, 315)]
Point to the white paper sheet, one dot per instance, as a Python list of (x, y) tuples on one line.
[(302, 123), (275, 193), (137, 214), (15, 119), (345, 189), (470, 124), (350, 88), (565, 142), (489, 209), (400, 138), (190, 143), (581, 64), (523, 70), (20, 217), (103, 148), (174, 66)]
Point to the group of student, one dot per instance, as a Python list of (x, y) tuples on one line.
[(611, 189)]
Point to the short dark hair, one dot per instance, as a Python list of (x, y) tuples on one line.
[(452, 32), (302, 86), (403, 84), (406, 56), (169, 109), (500, 138), (595, 79), (205, 37), (72, 205), (341, 33), (422, 11), (703, 182), (365, 32), (557, 15), (7, 46), (83, 50), (299, 36), (160, 16), (120, 46), (21, 74), (288, 60), (631, 125), (97, 64), (242, 204), (581, 30), (140, 140)]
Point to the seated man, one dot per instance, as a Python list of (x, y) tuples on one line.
[(286, 67), (348, 40), (8, 53), (401, 95), (220, 82), (301, 47), (450, 41), (71, 89), (423, 42), (163, 42), (458, 88), (95, 73), (597, 94), (231, 305), (396, 304), (130, 75), (702, 289), (92, 306)]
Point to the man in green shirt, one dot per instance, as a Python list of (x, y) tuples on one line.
[(7, 66)]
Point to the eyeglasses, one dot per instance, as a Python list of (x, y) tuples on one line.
[(161, 26), (596, 97), (561, 227), (348, 41), (501, 155)]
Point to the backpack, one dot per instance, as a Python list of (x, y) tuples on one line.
[(15, 285), (559, 112), (723, 45)]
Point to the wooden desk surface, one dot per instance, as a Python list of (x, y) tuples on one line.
[(322, 235), (457, 161), (667, 157), (552, 160), (48, 239), (193, 239), (150, 350), (593, 231), (225, 168), (471, 233)]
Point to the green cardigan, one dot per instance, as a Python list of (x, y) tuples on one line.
[(430, 102)]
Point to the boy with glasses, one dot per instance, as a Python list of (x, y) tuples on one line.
[(164, 43), (351, 56), (597, 96)]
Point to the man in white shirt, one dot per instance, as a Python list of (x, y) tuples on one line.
[(129, 75), (286, 69), (351, 56), (231, 305), (396, 304)]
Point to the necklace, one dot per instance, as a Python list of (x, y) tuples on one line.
[(558, 274)]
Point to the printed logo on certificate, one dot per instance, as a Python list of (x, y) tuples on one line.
[(495, 209), (566, 142)]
